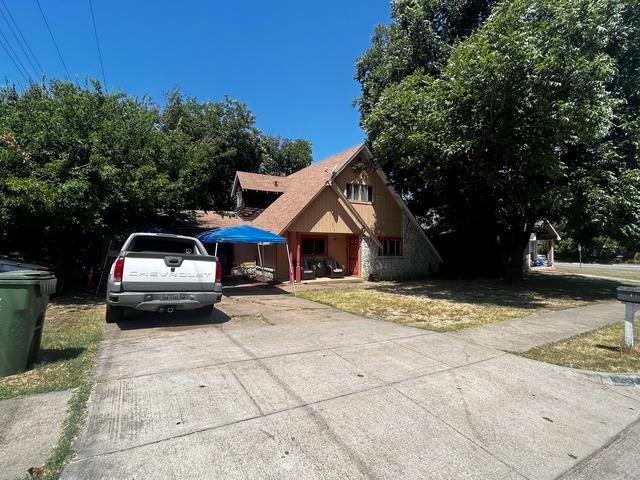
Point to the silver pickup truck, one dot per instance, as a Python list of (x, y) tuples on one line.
[(162, 273)]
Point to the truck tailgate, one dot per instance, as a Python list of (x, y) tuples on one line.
[(149, 272)]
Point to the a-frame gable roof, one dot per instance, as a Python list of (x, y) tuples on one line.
[(303, 186)]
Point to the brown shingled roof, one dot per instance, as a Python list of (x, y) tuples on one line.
[(302, 187), (216, 220), (263, 183)]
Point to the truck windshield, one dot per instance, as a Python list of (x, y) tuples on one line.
[(163, 245)]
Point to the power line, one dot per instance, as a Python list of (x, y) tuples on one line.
[(24, 39), (13, 61), (18, 42), (24, 70), (95, 31), (53, 39)]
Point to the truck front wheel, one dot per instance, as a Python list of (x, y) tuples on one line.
[(114, 314)]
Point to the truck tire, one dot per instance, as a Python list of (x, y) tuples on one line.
[(208, 310), (114, 314)]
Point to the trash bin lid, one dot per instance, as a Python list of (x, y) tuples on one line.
[(25, 276)]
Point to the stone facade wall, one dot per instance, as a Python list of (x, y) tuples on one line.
[(417, 259)]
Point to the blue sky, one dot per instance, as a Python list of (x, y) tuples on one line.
[(291, 62)]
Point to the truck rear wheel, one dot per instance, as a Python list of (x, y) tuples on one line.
[(114, 314)]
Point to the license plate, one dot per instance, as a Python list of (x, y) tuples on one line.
[(170, 298)]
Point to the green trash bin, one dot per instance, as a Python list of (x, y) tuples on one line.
[(24, 296)]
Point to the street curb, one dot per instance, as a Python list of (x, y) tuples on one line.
[(609, 378)]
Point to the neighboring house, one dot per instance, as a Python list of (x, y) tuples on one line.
[(544, 236), (340, 207)]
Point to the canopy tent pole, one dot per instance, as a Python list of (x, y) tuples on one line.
[(215, 254), (293, 284)]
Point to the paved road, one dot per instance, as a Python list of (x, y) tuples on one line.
[(622, 267), (277, 387), (618, 460), (522, 334)]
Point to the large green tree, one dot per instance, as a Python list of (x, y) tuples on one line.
[(603, 205), (283, 156), (80, 166), (419, 39), (488, 139), (207, 142)]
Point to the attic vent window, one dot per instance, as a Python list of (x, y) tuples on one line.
[(275, 183), (359, 193)]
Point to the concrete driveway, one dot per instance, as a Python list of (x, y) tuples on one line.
[(278, 387)]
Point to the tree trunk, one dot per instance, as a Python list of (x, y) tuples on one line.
[(515, 243)]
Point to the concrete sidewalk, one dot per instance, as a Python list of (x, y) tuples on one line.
[(29, 429), (521, 334), (278, 387)]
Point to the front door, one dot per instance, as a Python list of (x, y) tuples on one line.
[(353, 255)]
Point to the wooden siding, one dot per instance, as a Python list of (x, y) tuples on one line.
[(383, 215), (282, 264), (325, 214), (245, 253), (338, 249)]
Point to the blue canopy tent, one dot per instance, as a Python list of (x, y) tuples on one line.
[(246, 234)]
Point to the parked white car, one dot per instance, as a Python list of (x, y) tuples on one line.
[(162, 273)]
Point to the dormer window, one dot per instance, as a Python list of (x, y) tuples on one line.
[(359, 193)]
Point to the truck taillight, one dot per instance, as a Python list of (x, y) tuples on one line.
[(118, 269), (218, 271)]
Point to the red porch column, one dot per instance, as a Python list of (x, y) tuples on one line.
[(298, 258)]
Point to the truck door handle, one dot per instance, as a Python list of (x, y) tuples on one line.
[(173, 261)]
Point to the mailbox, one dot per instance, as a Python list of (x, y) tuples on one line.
[(629, 294)]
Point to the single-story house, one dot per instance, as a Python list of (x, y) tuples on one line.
[(341, 208)]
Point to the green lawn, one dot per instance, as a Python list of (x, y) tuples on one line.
[(599, 350), (72, 333), (445, 305), (598, 272)]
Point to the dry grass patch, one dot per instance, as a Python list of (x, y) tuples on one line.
[(72, 331), (599, 350), (445, 305)]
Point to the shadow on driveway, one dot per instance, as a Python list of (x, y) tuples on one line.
[(136, 320), (252, 289)]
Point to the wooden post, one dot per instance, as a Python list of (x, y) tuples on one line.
[(551, 258), (630, 310), (293, 285), (298, 258)]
